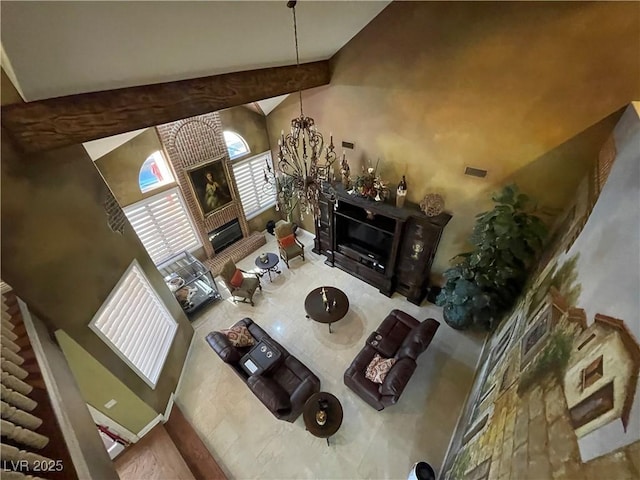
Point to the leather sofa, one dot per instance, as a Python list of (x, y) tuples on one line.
[(399, 336), (284, 388)]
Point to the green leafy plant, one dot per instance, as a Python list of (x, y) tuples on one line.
[(485, 282)]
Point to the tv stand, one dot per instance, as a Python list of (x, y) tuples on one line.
[(390, 248)]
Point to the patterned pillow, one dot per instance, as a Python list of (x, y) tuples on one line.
[(378, 368), (288, 240), (239, 336)]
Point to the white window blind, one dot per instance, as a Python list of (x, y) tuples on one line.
[(256, 197), (136, 325), (163, 225)]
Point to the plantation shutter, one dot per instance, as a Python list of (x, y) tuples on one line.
[(163, 225), (136, 325), (255, 195)]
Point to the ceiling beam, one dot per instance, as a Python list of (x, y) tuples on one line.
[(63, 121)]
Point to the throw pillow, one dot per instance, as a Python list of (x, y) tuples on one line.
[(236, 280), (239, 336), (378, 368), (288, 240)]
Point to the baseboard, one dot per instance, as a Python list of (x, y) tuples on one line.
[(102, 419), (167, 411), (150, 426)]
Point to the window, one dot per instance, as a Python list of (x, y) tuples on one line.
[(154, 173), (136, 325), (595, 405), (236, 145), (592, 373), (163, 225), (256, 196), (583, 344)]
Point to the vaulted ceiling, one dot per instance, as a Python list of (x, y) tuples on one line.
[(53, 49)]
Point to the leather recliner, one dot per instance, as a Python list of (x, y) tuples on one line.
[(284, 388), (399, 336)]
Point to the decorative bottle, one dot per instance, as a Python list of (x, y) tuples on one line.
[(401, 193)]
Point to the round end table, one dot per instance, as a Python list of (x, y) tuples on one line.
[(333, 409)]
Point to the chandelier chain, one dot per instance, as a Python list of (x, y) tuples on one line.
[(295, 36)]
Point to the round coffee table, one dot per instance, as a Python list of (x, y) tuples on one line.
[(333, 409), (271, 265), (337, 303)]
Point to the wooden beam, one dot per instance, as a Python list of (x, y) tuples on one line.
[(63, 121)]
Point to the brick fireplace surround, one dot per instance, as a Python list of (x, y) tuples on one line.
[(190, 143)]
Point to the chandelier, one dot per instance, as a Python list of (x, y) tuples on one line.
[(300, 163)]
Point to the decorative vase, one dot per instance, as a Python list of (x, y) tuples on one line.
[(321, 417)]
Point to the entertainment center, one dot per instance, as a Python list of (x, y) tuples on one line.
[(388, 247)]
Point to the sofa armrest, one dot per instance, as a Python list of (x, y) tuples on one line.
[(301, 394), (272, 395), (354, 378), (418, 339), (396, 380), (221, 345)]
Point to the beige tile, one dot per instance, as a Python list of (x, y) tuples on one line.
[(251, 443)]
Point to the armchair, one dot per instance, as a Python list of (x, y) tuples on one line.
[(246, 289), (289, 246)]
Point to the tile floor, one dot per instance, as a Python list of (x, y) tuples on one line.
[(249, 442)]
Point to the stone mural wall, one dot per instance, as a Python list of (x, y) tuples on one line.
[(558, 394)]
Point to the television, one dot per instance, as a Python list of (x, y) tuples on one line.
[(364, 238)]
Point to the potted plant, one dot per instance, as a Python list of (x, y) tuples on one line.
[(485, 282)]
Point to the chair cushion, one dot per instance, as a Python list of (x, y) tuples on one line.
[(228, 270), (239, 336), (288, 240), (236, 279), (378, 368)]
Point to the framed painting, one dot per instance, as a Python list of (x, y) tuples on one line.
[(210, 184)]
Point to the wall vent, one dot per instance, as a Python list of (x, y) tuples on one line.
[(475, 172), (349, 145)]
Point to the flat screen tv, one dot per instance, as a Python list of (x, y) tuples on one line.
[(365, 237)]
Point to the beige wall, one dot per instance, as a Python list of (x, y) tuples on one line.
[(250, 125), (120, 168), (253, 128), (98, 386), (62, 259), (430, 87)]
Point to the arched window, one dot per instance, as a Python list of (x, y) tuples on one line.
[(154, 173), (236, 145)]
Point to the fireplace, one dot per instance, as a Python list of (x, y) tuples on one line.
[(226, 235)]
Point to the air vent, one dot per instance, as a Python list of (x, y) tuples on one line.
[(347, 145), (475, 172)]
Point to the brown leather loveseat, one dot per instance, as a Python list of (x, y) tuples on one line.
[(284, 388), (399, 336)]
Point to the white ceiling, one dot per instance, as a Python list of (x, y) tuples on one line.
[(64, 48)]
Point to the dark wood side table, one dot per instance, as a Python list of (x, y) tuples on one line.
[(271, 265), (333, 410), (337, 301)]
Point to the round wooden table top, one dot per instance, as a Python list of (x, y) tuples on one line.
[(315, 308), (333, 410)]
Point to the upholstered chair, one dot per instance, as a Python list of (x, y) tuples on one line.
[(242, 285), (289, 246)]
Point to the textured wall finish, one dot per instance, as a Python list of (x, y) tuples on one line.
[(558, 395), (120, 168), (63, 260), (431, 87)]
